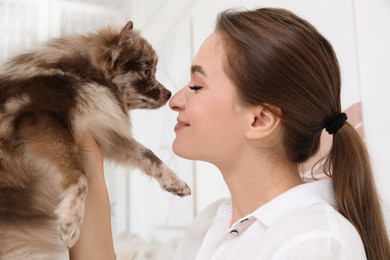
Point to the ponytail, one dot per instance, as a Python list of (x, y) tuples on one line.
[(349, 166)]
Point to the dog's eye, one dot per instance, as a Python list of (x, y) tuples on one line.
[(146, 73), (195, 88)]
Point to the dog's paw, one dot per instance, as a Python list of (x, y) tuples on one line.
[(70, 212), (181, 189), (169, 181)]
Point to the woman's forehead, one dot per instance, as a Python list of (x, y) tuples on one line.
[(210, 56)]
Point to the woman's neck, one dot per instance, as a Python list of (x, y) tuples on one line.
[(252, 183)]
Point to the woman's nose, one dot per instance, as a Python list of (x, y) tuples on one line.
[(178, 101)]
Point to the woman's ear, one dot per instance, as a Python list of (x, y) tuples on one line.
[(263, 121)]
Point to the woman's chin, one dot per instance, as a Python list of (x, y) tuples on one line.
[(183, 152)]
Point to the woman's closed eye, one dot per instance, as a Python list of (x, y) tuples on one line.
[(195, 88)]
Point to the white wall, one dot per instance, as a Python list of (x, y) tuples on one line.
[(373, 41)]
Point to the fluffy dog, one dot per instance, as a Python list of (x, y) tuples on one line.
[(50, 97)]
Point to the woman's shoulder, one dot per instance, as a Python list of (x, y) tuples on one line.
[(204, 219), (194, 235), (317, 226), (306, 215), (213, 207), (305, 211)]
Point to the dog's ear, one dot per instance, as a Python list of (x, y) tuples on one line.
[(125, 36), (104, 56)]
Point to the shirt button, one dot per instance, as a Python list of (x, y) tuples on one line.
[(246, 219), (234, 232)]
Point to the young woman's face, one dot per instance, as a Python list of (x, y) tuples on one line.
[(210, 123)]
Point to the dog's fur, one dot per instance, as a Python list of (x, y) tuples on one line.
[(52, 96)]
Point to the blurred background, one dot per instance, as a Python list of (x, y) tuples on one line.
[(147, 222)]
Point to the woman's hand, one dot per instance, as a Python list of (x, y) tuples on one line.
[(95, 241)]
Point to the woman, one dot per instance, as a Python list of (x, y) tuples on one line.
[(263, 87)]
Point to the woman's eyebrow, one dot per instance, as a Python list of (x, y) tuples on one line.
[(198, 68)]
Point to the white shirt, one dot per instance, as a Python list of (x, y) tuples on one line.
[(301, 223)]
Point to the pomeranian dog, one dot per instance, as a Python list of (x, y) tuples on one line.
[(52, 96)]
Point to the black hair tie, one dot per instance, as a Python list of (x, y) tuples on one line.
[(337, 124)]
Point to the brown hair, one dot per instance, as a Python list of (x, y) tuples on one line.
[(274, 57)]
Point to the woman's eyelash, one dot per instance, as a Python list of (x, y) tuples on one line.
[(195, 87)]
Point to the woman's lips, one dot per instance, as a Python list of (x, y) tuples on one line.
[(180, 125)]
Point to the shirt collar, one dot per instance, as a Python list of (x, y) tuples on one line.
[(298, 197)]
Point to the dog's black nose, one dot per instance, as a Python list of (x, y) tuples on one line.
[(167, 93)]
